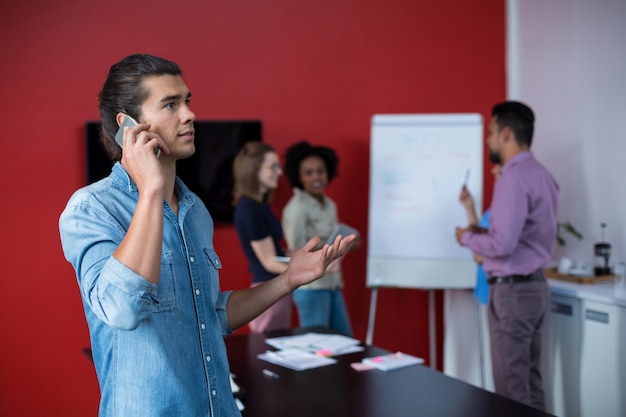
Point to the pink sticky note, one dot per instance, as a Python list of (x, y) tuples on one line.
[(324, 352), (360, 366)]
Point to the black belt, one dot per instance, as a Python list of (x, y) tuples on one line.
[(515, 279)]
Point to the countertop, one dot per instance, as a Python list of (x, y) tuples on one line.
[(612, 293)]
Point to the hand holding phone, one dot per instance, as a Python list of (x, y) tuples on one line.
[(129, 122)]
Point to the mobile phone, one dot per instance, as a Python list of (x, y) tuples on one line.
[(119, 136)]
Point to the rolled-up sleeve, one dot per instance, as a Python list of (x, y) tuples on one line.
[(89, 236), (220, 309)]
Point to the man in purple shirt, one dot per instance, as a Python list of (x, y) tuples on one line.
[(516, 248)]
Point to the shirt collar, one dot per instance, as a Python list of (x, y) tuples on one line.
[(522, 156), (120, 176), (303, 194)]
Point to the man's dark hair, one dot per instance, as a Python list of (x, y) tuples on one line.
[(123, 92), (297, 153), (518, 117)]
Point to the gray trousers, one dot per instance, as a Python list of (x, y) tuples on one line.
[(516, 314)]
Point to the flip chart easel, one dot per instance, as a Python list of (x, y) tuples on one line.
[(418, 164)]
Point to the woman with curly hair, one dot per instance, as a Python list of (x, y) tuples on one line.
[(310, 212)]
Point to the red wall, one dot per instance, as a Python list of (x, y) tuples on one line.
[(315, 70)]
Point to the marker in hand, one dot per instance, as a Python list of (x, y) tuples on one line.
[(467, 174)]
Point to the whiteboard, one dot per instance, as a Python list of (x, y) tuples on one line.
[(418, 164)]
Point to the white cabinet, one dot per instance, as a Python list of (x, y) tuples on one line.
[(584, 351), (561, 356), (602, 364)]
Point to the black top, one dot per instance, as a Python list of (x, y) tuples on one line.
[(255, 221)]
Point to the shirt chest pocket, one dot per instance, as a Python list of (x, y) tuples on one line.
[(214, 265), (165, 299)]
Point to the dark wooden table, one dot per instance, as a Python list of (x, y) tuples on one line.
[(340, 391)]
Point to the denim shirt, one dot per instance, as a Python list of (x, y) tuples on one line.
[(159, 348)]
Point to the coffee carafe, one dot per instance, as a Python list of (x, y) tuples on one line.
[(602, 253)]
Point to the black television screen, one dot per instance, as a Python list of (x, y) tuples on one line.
[(208, 173)]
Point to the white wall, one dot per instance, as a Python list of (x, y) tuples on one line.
[(567, 60)]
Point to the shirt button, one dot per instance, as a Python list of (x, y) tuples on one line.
[(213, 392), (208, 359), (192, 259), (197, 292), (203, 326)]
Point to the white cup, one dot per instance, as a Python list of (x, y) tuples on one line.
[(565, 265)]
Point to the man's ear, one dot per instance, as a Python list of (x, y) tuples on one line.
[(507, 134), (120, 118)]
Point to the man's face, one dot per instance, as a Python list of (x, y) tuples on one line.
[(167, 110), (494, 141)]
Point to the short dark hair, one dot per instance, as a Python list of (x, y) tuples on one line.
[(246, 167), (518, 117), (123, 92), (298, 152)]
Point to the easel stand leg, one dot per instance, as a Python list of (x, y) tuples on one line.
[(481, 344), (432, 332), (372, 317)]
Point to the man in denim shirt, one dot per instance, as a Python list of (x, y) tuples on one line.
[(141, 244)]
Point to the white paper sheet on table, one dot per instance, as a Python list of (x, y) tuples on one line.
[(296, 359), (331, 344)]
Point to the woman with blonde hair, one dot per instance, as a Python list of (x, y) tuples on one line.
[(256, 172)]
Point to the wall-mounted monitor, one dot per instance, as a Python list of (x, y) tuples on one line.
[(208, 173)]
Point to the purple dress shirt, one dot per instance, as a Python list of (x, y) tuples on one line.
[(522, 234)]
